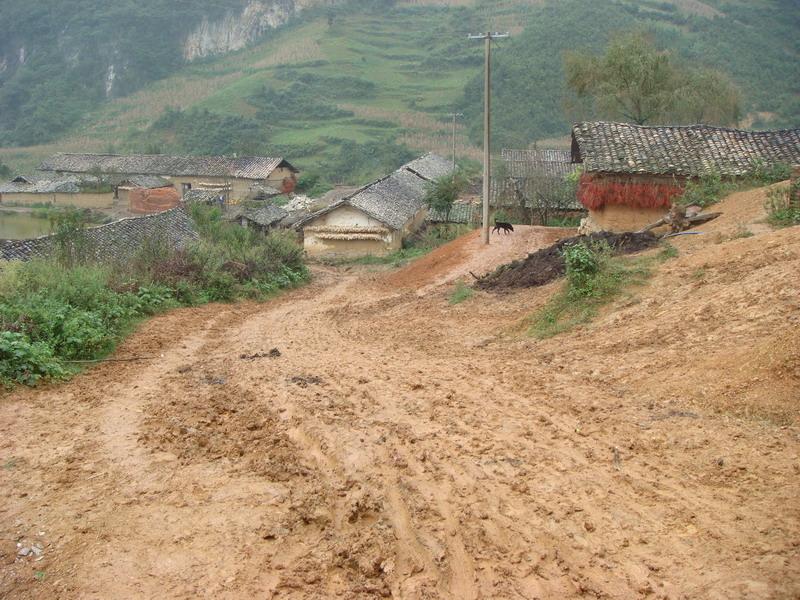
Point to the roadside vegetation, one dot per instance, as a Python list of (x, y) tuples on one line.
[(710, 189), (783, 206), (461, 293), (594, 277), (56, 313)]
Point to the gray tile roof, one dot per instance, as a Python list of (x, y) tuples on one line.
[(206, 196), (149, 182), (245, 167), (684, 151), (264, 216), (430, 166), (393, 200), (29, 185), (459, 213), (538, 162), (396, 198)]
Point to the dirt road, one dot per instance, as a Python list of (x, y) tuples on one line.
[(403, 447)]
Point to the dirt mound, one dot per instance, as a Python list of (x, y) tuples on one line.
[(468, 254), (437, 263), (547, 264)]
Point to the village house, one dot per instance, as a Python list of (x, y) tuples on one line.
[(376, 218), (633, 173), (58, 191), (535, 185), (232, 177)]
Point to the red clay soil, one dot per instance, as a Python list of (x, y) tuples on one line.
[(404, 447), (469, 255)]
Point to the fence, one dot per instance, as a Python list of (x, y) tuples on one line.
[(117, 240)]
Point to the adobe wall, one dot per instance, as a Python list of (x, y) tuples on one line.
[(114, 241), (347, 220), (617, 218), (281, 179), (81, 200)]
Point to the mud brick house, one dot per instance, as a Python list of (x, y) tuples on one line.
[(377, 217), (633, 173), (233, 177), (56, 190)]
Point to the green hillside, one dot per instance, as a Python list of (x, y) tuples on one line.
[(351, 91)]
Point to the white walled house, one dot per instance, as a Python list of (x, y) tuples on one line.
[(375, 219)]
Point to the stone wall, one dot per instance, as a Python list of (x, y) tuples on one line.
[(114, 241)]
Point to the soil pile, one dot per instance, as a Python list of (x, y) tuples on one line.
[(547, 264)]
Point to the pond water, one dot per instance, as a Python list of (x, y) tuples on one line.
[(20, 226)]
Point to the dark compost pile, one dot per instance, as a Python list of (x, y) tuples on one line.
[(547, 264)]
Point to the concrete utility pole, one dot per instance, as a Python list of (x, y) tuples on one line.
[(455, 115), (487, 105)]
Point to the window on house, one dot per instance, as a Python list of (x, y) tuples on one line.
[(186, 187)]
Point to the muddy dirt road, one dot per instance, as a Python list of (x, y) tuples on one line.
[(402, 447)]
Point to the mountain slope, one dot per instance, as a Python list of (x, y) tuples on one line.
[(346, 90)]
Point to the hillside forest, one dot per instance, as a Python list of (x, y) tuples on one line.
[(348, 90)]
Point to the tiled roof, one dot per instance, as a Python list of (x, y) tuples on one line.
[(393, 200), (245, 167), (28, 185), (396, 198), (430, 166), (684, 151), (265, 216), (149, 182), (206, 196), (532, 163), (459, 213)]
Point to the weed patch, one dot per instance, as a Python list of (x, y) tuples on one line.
[(783, 206), (594, 277), (70, 308), (461, 293)]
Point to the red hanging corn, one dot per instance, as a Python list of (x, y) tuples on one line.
[(595, 193)]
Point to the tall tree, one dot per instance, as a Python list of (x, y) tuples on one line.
[(637, 82)]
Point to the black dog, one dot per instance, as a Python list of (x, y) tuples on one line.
[(507, 227)]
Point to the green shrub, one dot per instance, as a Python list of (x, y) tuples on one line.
[(57, 311), (583, 264), (594, 277), (26, 362), (706, 190)]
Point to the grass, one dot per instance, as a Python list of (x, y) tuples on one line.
[(594, 278), (58, 312), (781, 211), (461, 293), (398, 258)]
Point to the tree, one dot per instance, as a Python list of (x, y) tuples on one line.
[(445, 191), (707, 96), (5, 171), (639, 83)]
